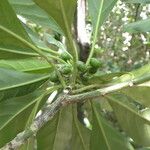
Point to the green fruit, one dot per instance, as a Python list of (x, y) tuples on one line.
[(95, 63), (65, 56), (85, 77), (53, 77), (81, 66), (66, 69), (92, 70)]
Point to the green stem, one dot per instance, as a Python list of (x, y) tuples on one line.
[(78, 129), (109, 89), (82, 89), (71, 43), (52, 56), (49, 51), (36, 50), (57, 58), (101, 127), (95, 33)]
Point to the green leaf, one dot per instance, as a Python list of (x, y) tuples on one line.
[(13, 83), (29, 10), (61, 11), (130, 119), (104, 136), (142, 74), (43, 44), (30, 145), (80, 134), (13, 38), (101, 78), (139, 94), (138, 27), (137, 76), (56, 134), (144, 70), (96, 13), (32, 115), (46, 43), (145, 129), (14, 113), (138, 1), (99, 11), (31, 65), (145, 148), (40, 103), (34, 36), (51, 40)]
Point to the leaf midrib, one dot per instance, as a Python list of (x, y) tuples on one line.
[(18, 52), (78, 130), (25, 83), (11, 118), (21, 39), (129, 109), (101, 127), (58, 121)]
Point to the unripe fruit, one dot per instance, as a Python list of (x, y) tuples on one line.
[(93, 70), (95, 63), (66, 69), (65, 56), (53, 77), (81, 66), (84, 78)]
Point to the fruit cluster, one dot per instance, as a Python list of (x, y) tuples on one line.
[(67, 69)]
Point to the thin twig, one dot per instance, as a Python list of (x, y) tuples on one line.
[(95, 34), (71, 42)]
